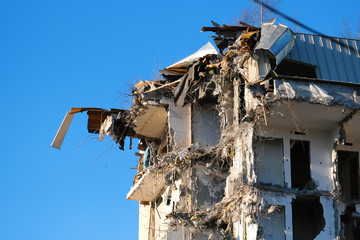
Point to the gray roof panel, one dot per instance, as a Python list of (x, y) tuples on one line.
[(332, 60)]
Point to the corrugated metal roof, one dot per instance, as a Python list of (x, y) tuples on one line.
[(332, 60)]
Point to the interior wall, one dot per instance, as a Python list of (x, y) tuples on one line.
[(209, 186), (273, 224), (205, 125), (276, 199), (321, 146), (180, 124), (270, 167)]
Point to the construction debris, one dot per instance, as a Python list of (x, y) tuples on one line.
[(259, 141)]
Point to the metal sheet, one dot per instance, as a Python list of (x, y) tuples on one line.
[(275, 40), (332, 60)]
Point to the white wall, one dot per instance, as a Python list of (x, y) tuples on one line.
[(161, 223), (273, 224), (329, 215), (270, 168), (321, 145), (205, 125), (282, 200), (144, 218)]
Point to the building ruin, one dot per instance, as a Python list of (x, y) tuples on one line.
[(260, 140)]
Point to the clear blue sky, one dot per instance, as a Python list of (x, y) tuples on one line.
[(60, 54)]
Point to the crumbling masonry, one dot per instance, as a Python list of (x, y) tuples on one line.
[(259, 141)]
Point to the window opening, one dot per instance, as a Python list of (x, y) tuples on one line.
[(293, 68), (300, 163), (348, 163), (308, 218)]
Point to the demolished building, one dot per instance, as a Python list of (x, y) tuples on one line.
[(259, 141)]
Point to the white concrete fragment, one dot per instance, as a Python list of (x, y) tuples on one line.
[(152, 122), (60, 135), (148, 187), (180, 124), (207, 49)]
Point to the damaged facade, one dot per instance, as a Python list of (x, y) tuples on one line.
[(259, 141)]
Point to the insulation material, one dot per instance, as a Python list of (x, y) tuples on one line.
[(319, 95), (183, 87), (319, 92)]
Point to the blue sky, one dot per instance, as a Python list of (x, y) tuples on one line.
[(55, 55)]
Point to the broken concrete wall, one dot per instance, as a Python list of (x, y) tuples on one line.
[(329, 231), (161, 221), (209, 185), (321, 169), (245, 155), (284, 204), (273, 224)]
